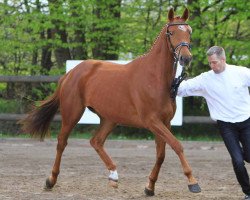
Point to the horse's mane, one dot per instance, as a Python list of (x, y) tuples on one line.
[(156, 39), (153, 44)]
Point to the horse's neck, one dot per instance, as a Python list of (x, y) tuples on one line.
[(162, 57), (158, 61)]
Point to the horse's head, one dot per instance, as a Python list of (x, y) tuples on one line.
[(178, 34)]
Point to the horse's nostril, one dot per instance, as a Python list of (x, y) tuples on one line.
[(185, 60)]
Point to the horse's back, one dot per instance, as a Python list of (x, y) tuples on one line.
[(101, 79)]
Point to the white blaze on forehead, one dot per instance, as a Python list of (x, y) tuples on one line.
[(185, 28)]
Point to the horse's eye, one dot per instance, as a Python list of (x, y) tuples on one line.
[(170, 33)]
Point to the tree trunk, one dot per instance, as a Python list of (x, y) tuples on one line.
[(62, 52), (78, 52), (106, 39), (46, 61)]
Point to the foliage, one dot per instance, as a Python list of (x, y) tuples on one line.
[(222, 23), (37, 34), (7, 106)]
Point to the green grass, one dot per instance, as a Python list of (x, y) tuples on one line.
[(6, 135), (9, 106)]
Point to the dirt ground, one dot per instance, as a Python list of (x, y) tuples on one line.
[(26, 163)]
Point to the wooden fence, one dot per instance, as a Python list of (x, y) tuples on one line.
[(51, 79), (29, 79)]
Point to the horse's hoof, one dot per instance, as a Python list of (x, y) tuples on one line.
[(195, 188), (48, 185), (113, 183), (149, 192)]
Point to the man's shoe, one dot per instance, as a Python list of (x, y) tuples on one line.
[(247, 197)]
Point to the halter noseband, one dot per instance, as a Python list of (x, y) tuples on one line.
[(176, 82)]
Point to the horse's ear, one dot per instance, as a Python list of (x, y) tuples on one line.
[(171, 14), (185, 14)]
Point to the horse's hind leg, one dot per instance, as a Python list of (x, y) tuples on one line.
[(71, 111), (97, 143), (160, 156)]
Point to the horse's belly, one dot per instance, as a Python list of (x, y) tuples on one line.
[(115, 107), (120, 113)]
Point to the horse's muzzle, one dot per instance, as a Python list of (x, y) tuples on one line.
[(185, 60)]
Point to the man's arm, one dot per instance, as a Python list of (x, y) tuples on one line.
[(191, 87), (246, 75)]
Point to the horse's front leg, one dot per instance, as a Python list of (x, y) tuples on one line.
[(159, 129), (160, 156)]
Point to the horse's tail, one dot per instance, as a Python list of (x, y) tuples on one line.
[(38, 120)]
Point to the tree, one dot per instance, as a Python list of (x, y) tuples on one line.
[(59, 34), (39, 36), (106, 29), (78, 12), (222, 23)]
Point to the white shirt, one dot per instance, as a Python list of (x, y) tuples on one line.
[(226, 93)]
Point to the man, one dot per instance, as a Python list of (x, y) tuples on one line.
[(225, 88)]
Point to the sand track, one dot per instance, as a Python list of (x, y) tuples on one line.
[(26, 163)]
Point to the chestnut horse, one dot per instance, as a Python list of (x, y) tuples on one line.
[(135, 94)]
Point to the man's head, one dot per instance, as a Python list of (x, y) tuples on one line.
[(217, 59)]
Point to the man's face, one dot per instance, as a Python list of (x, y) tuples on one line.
[(216, 64)]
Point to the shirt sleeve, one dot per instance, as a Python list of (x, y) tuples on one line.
[(245, 73), (191, 87)]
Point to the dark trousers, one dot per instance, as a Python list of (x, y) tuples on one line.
[(236, 137)]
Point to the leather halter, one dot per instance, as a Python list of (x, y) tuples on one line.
[(181, 44), (176, 82)]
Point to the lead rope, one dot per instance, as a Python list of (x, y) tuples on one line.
[(177, 81)]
